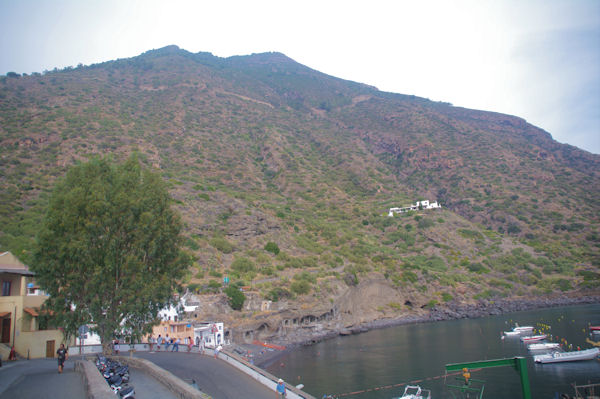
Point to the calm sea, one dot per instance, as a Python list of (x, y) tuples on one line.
[(402, 354)]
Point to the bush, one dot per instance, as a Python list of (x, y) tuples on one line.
[(300, 287), (425, 223), (236, 297), (272, 247), (477, 268), (447, 297), (243, 265), (222, 245), (278, 293)]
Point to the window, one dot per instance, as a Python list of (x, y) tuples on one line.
[(6, 288)]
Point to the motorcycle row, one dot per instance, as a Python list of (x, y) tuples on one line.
[(116, 375)]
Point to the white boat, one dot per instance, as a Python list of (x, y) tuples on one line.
[(523, 329), (534, 338), (415, 392), (544, 346), (519, 331), (574, 356)]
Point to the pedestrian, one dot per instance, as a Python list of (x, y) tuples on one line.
[(62, 356), (158, 342), (201, 346), (167, 342), (13, 353), (190, 344), (281, 393), (116, 346), (217, 350), (151, 342), (176, 343)]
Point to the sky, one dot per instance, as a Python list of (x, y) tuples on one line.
[(536, 59)]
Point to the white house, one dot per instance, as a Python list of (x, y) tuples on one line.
[(425, 204), (211, 333)]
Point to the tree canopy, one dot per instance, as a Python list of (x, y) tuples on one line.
[(108, 248)]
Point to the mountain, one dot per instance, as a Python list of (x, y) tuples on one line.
[(262, 150)]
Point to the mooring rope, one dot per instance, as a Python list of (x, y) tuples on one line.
[(341, 395)]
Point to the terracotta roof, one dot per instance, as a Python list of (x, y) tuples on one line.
[(32, 311), (4, 314), (10, 264)]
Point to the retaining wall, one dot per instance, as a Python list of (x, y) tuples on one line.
[(95, 385), (265, 378), (180, 388)]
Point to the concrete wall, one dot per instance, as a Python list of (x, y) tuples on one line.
[(95, 385), (265, 378), (176, 385), (34, 342)]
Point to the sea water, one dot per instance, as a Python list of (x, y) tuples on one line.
[(377, 363)]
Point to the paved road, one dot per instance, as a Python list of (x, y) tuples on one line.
[(213, 376), (39, 379)]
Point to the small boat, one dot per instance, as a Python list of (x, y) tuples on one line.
[(534, 338), (415, 392), (519, 331), (511, 333), (544, 346), (523, 329), (595, 328), (558, 357)]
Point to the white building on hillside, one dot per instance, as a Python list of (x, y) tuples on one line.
[(425, 204), (212, 334)]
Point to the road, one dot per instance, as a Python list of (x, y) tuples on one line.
[(214, 377), (39, 379)]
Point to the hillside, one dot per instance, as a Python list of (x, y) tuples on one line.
[(260, 149)]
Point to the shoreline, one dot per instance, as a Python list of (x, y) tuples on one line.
[(263, 357)]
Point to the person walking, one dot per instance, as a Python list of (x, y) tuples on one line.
[(167, 343), (201, 346), (159, 341), (151, 342), (280, 389), (217, 350), (62, 356), (190, 344)]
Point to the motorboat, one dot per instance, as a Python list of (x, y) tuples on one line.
[(516, 331), (543, 346), (595, 329), (415, 392), (523, 329), (558, 357), (534, 338)]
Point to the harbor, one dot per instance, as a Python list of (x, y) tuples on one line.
[(378, 364)]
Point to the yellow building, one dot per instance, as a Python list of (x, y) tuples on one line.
[(20, 303)]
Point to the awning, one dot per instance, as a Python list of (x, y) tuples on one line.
[(31, 311), (4, 314)]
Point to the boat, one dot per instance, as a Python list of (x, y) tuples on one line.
[(523, 329), (543, 346), (519, 331), (415, 392), (511, 333), (558, 357), (534, 338), (595, 328)]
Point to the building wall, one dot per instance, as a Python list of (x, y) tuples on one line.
[(34, 342), (23, 330)]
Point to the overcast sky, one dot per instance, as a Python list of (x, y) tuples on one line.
[(539, 60)]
